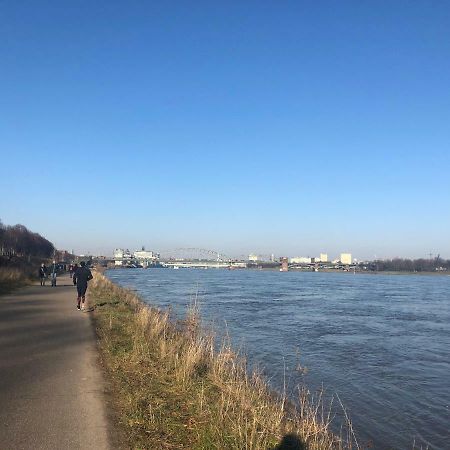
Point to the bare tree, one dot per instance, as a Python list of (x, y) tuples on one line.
[(17, 240)]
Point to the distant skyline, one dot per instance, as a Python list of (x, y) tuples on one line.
[(291, 128)]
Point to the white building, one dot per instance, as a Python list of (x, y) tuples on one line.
[(145, 257), (253, 257), (118, 256), (323, 258), (142, 257), (346, 258), (121, 256), (143, 254), (118, 253), (300, 260)]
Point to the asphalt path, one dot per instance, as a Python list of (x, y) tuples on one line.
[(51, 384)]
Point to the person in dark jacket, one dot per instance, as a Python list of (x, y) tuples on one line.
[(81, 277), (43, 274), (53, 273)]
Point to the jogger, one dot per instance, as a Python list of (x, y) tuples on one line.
[(81, 277)]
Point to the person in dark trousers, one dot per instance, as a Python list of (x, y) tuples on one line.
[(81, 277), (43, 274), (53, 273)]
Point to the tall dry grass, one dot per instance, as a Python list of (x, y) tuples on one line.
[(12, 277), (228, 406)]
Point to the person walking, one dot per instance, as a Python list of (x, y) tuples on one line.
[(53, 273), (81, 278), (43, 274)]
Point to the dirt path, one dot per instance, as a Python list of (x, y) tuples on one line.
[(51, 386)]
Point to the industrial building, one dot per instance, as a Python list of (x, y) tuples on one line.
[(139, 257), (122, 257)]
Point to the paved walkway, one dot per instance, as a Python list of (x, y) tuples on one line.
[(51, 387)]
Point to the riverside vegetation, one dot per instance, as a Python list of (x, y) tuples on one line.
[(12, 277), (21, 253), (174, 387)]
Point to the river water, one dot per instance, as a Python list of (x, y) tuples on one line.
[(381, 342)]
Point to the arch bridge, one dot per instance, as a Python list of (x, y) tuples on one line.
[(193, 254)]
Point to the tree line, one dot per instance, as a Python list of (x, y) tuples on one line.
[(19, 241), (410, 265)]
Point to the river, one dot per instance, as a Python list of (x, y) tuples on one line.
[(381, 342)]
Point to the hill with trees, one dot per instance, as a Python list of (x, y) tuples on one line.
[(21, 253), (17, 241)]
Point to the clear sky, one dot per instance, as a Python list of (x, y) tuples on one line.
[(292, 127)]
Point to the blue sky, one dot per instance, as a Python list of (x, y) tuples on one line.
[(285, 127)]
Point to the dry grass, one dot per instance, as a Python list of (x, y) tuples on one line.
[(11, 278), (174, 389)]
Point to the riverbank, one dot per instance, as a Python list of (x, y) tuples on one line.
[(173, 388)]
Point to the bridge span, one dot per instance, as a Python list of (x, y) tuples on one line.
[(204, 264)]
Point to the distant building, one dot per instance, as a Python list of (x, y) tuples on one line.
[(143, 254), (140, 257), (63, 256), (346, 258), (122, 257), (323, 257), (301, 260), (144, 257), (117, 253), (253, 257)]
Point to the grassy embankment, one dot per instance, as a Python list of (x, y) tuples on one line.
[(17, 273), (173, 389), (11, 278)]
